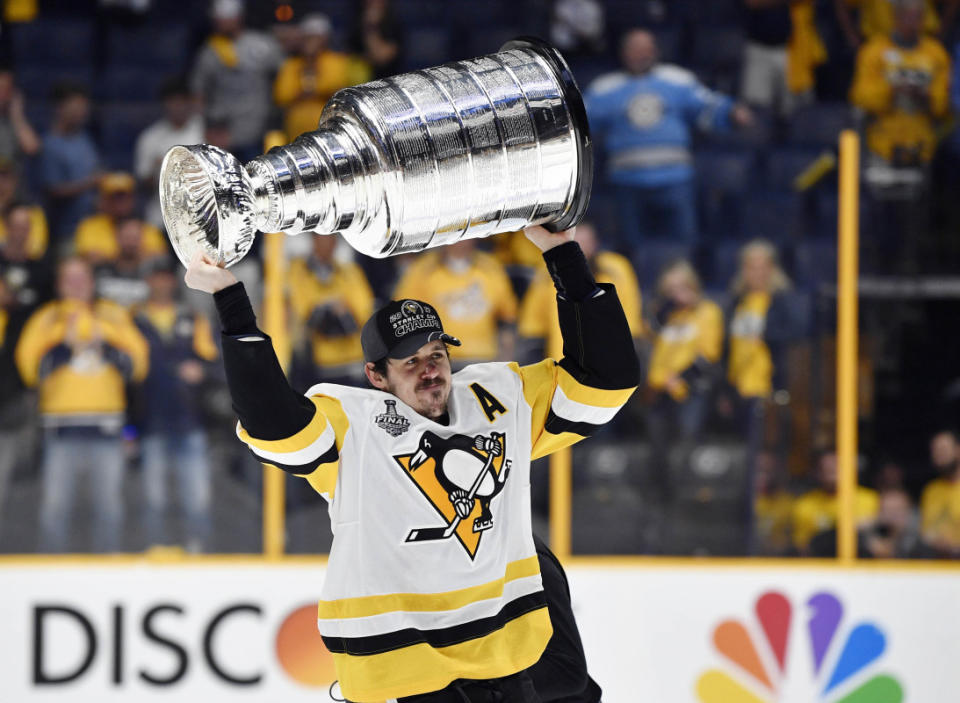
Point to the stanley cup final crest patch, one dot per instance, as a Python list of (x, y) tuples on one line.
[(390, 421)]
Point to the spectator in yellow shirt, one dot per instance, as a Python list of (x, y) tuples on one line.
[(519, 256), (816, 511), (16, 445), (169, 413), (538, 311), (123, 279), (96, 235), (472, 294), (877, 18), (940, 502), (377, 37), (683, 367), (36, 244), (28, 280), (332, 300), (772, 508), (760, 327), (305, 82), (902, 83), (80, 353)]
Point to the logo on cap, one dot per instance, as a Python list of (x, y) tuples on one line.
[(415, 317), (410, 308)]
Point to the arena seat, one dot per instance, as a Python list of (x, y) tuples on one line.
[(814, 262), (775, 216), (725, 170), (650, 259), (799, 303), (162, 49), (122, 82), (119, 126), (709, 13), (785, 164), (37, 82), (603, 214), (819, 125), (723, 261), (489, 40), (40, 114), (718, 466), (723, 177), (623, 14), (426, 46), (757, 137), (611, 522), (53, 42), (586, 70), (716, 54), (828, 204), (410, 13)]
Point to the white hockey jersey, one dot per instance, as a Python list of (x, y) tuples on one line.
[(433, 575)]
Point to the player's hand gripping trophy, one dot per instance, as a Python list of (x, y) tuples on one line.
[(467, 149)]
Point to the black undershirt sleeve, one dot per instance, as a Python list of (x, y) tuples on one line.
[(598, 348), (267, 406)]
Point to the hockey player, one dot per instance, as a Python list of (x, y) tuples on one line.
[(433, 590)]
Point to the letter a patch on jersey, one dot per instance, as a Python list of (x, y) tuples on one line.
[(459, 475)]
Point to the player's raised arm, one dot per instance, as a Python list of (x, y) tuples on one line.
[(281, 427), (599, 369)]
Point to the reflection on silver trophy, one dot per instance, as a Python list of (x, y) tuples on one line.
[(467, 149)]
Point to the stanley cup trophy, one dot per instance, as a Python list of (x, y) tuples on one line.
[(467, 149)]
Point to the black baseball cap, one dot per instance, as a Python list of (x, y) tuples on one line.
[(401, 327)]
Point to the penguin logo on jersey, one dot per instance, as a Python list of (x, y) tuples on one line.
[(459, 476)]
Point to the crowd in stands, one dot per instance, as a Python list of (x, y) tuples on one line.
[(714, 215)]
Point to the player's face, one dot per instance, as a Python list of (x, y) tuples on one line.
[(422, 381)]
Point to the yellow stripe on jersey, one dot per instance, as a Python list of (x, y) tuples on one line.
[(306, 446), (597, 397), (295, 443), (365, 606), (324, 478), (421, 668), (539, 384), (550, 443)]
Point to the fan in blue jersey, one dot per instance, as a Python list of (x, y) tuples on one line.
[(645, 116)]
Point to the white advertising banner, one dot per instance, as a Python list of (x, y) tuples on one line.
[(662, 634)]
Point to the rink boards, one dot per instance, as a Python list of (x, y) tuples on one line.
[(665, 631)]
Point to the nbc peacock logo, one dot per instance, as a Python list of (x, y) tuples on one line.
[(825, 660)]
